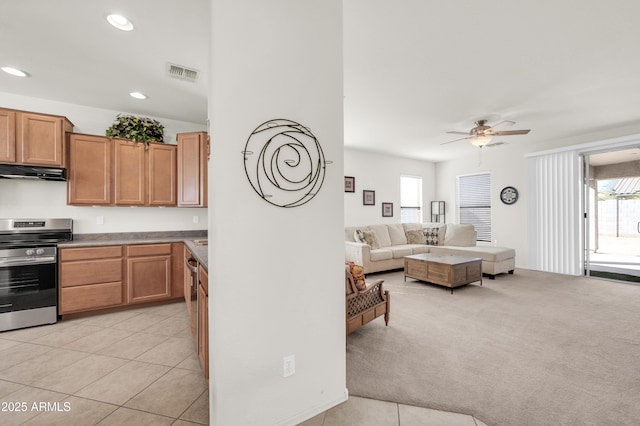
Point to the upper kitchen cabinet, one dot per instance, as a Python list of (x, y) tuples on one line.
[(90, 176), (162, 174), (129, 173), (33, 138), (120, 172), (7, 136), (193, 153)]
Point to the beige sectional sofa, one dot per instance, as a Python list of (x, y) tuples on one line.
[(382, 247)]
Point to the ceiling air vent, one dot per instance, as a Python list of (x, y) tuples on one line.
[(182, 73)]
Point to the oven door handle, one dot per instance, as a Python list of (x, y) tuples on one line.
[(26, 261)]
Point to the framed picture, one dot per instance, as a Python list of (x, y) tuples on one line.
[(349, 184), (368, 197), (387, 209)]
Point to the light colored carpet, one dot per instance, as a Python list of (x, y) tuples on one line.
[(531, 348)]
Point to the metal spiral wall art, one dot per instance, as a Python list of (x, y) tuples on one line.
[(284, 163)]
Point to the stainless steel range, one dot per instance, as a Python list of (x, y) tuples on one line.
[(29, 270)]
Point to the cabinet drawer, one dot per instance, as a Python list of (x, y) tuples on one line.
[(90, 297), (90, 272), (84, 253), (148, 250)]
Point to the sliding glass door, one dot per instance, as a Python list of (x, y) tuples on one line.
[(612, 224)]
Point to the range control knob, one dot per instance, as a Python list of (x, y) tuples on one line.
[(30, 252), (39, 251)]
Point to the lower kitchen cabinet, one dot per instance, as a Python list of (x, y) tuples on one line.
[(148, 272), (101, 277), (90, 278), (203, 320)]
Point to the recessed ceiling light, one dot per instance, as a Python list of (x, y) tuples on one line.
[(138, 95), (14, 71), (120, 22)]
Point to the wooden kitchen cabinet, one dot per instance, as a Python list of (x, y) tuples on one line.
[(203, 320), (148, 272), (90, 170), (193, 153), (33, 138), (120, 172), (90, 278), (129, 173), (162, 174), (40, 139), (7, 136)]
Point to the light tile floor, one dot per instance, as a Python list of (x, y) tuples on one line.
[(139, 367)]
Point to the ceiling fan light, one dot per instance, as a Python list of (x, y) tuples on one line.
[(481, 141)]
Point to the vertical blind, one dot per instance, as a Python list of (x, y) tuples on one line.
[(410, 199), (474, 203), (554, 210)]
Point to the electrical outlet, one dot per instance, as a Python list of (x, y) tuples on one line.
[(100, 220), (196, 219), (288, 366)]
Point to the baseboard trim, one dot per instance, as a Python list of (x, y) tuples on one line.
[(314, 411)]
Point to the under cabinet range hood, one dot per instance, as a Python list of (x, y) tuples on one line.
[(14, 171)]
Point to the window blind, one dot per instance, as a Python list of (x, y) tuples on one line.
[(474, 203)]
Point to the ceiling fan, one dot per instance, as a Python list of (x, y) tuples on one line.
[(482, 134)]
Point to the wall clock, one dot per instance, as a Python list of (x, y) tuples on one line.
[(509, 195)]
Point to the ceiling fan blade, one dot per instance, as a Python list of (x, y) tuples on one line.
[(456, 140), (503, 123), (455, 132), (510, 132)]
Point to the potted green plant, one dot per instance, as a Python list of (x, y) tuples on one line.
[(137, 129)]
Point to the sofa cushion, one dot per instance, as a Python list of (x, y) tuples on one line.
[(442, 229), (486, 253), (372, 239), (357, 272), (411, 227), (349, 232), (419, 248), (463, 235), (358, 236), (396, 232), (431, 236), (380, 254), (401, 251), (416, 237), (382, 233)]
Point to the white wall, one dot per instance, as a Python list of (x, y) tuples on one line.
[(381, 173), (507, 166), (31, 199), (276, 275)]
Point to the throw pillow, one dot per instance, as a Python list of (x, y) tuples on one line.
[(431, 236), (371, 239), (415, 237), (358, 235), (357, 272)]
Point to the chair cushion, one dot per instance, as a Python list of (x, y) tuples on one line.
[(358, 236), (357, 272), (486, 253), (419, 248)]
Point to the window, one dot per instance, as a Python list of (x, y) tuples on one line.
[(410, 199), (474, 203)]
